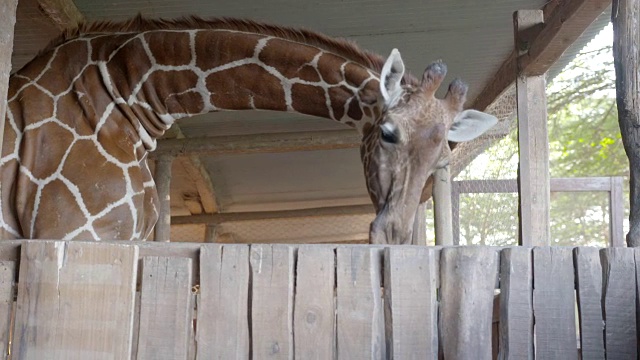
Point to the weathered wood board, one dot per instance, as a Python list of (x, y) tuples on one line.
[(411, 303), (467, 279), (314, 315), (223, 321), (75, 301), (589, 292), (165, 312)]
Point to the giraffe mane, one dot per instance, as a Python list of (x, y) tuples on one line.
[(339, 46)]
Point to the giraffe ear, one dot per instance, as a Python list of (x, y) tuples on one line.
[(391, 79), (470, 124)]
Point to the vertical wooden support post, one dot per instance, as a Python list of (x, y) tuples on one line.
[(616, 212), (455, 211), (163, 185), (625, 16), (419, 236), (210, 233), (7, 23), (442, 206), (534, 184)]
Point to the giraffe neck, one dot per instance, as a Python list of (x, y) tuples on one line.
[(165, 75)]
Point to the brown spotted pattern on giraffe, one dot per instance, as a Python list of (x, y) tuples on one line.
[(169, 48), (42, 143), (84, 235), (15, 85), (148, 119), (189, 102), (73, 109), (34, 109), (161, 85), (112, 226), (354, 111), (91, 173), (98, 97), (276, 50), (327, 65), (219, 48), (103, 46), (339, 94), (66, 66), (127, 67), (240, 87), (24, 201), (36, 67), (302, 95), (50, 222), (308, 73), (118, 137)]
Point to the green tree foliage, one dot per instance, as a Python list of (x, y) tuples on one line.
[(584, 140)]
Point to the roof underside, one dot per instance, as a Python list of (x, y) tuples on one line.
[(472, 37)]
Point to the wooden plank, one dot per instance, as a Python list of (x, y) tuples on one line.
[(516, 308), (616, 212), (443, 222), (314, 316), (419, 234), (260, 143), (506, 186), (360, 323), (63, 13), (7, 23), (223, 319), (7, 292), (411, 303), (136, 325), (467, 281), (554, 303), (162, 178), (533, 179), (589, 292), (625, 16), (272, 269), (165, 302), (579, 184), (75, 300), (619, 302), (269, 215), (196, 171), (455, 212)]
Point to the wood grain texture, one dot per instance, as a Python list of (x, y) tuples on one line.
[(467, 281), (360, 322), (75, 301), (7, 292), (165, 308), (272, 269), (162, 178), (616, 212), (619, 302), (443, 224), (411, 316), (534, 179), (314, 315), (554, 303), (516, 307), (589, 291), (223, 319), (419, 235), (625, 16)]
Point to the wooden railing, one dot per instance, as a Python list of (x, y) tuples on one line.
[(613, 186), (92, 300)]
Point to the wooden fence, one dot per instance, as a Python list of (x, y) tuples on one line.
[(82, 300)]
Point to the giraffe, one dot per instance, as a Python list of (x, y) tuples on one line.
[(83, 115)]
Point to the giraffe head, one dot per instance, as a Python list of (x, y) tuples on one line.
[(409, 141)]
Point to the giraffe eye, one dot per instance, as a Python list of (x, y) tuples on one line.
[(388, 133)]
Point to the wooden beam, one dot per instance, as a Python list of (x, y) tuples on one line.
[(533, 141), (163, 185), (220, 218), (419, 235), (63, 13), (564, 22), (7, 23), (625, 16), (443, 224), (260, 143)]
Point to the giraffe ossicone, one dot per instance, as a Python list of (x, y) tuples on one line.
[(83, 115)]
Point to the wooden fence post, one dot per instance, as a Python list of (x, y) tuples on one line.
[(163, 185), (534, 183), (625, 17), (419, 235), (7, 23), (616, 212), (443, 225)]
